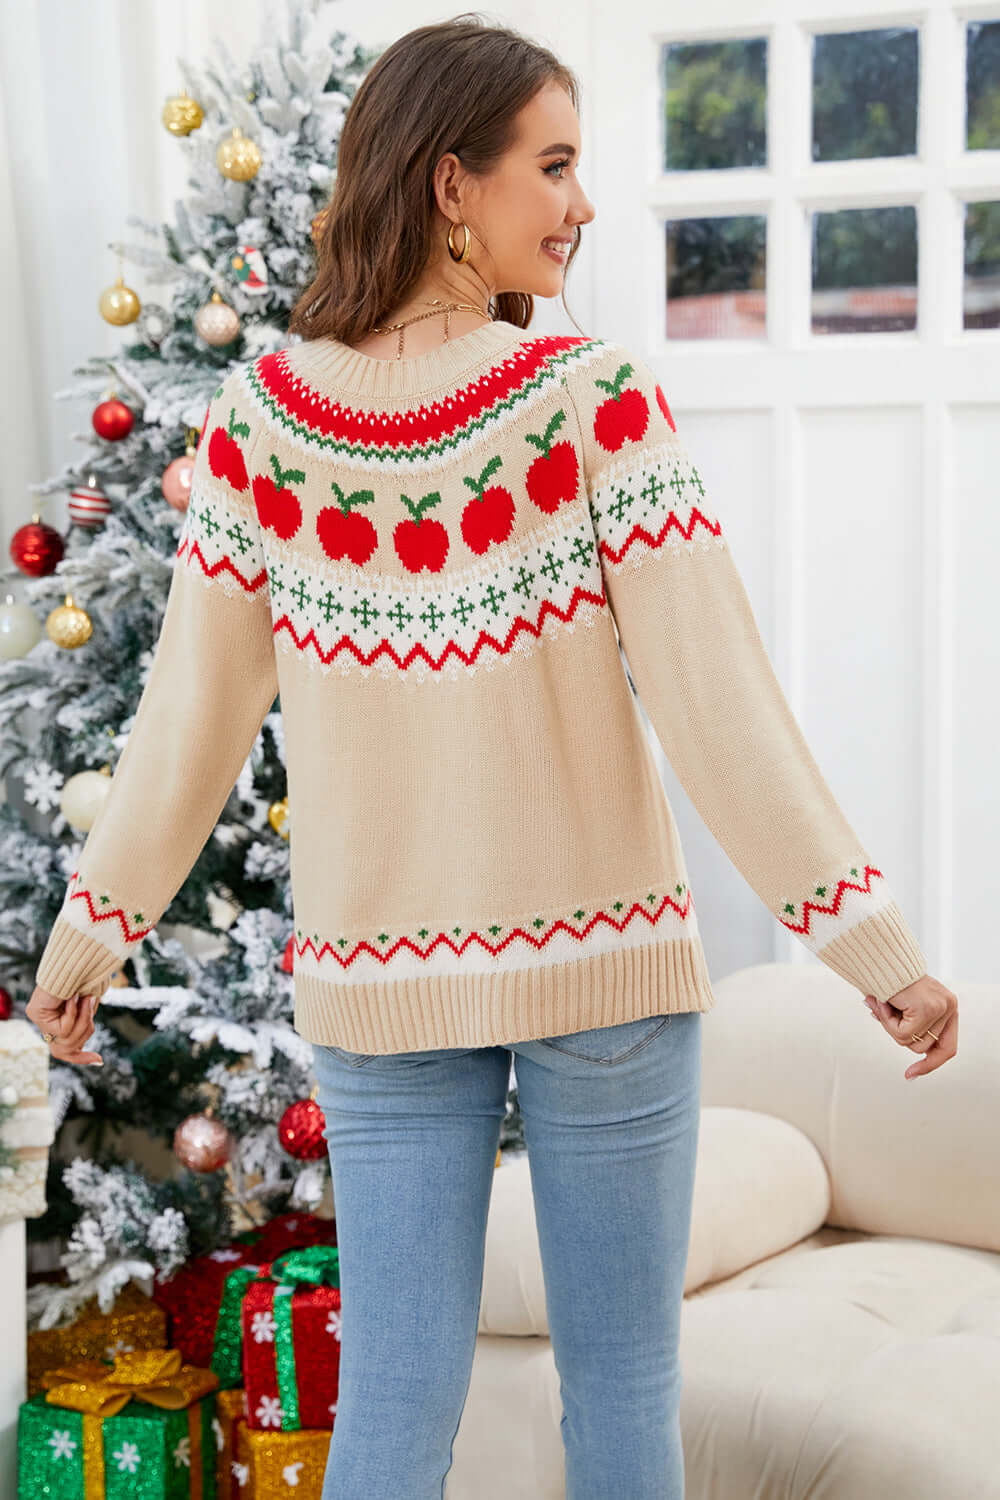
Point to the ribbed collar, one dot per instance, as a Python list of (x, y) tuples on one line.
[(375, 380)]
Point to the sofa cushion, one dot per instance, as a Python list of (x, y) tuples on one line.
[(760, 1186), (861, 1370)]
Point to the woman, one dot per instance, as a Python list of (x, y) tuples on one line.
[(464, 521)]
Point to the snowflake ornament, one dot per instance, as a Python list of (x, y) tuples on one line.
[(42, 785)]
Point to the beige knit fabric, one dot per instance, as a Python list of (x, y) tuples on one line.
[(433, 560)]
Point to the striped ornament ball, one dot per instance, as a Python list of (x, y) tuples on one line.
[(89, 505)]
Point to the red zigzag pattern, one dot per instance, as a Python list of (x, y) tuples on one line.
[(475, 937), (801, 929), (131, 934)]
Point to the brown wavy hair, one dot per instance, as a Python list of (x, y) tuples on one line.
[(454, 86)]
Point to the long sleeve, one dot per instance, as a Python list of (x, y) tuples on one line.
[(695, 652), (212, 680)]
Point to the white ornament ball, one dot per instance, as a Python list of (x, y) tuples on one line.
[(217, 323), (83, 796), (20, 629)]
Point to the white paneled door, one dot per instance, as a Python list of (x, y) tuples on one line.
[(798, 228)]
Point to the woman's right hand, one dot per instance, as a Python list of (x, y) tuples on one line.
[(70, 1022), (924, 1017)]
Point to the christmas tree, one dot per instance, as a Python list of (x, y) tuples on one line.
[(196, 1033)]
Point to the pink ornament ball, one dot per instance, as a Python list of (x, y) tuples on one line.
[(176, 481)]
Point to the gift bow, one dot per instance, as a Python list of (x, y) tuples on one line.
[(154, 1375), (313, 1265)]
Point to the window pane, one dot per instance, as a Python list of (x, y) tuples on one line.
[(982, 86), (716, 286), (981, 290), (865, 94), (714, 105), (864, 270)]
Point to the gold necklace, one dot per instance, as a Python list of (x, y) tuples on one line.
[(438, 306)]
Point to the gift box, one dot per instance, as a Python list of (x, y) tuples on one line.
[(29, 1131), (140, 1427), (273, 1320), (135, 1321), (230, 1409), (191, 1296), (269, 1464), (289, 1231)]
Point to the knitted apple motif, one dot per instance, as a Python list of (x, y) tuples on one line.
[(624, 416), (225, 456), (278, 509), (490, 516), (344, 532), (661, 402), (420, 543), (554, 476)]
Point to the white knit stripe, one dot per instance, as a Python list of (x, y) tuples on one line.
[(109, 931), (853, 907), (637, 929), (642, 490), (534, 581), (222, 534)]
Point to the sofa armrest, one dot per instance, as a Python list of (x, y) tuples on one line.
[(908, 1157)]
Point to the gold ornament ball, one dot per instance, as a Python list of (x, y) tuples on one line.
[(69, 625), (217, 323), (118, 304), (238, 157), (202, 1143), (182, 114), (278, 817), (83, 796)]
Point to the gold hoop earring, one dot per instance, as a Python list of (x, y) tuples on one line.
[(459, 259)]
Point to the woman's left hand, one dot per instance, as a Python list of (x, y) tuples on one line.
[(912, 1014)]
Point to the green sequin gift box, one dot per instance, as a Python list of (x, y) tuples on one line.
[(143, 1429)]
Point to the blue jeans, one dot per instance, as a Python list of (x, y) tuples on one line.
[(610, 1125)]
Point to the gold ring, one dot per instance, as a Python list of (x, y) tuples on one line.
[(48, 1036)]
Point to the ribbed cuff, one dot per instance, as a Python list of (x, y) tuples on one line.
[(880, 956), (74, 963)]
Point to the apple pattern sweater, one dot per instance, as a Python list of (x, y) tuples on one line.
[(432, 561)]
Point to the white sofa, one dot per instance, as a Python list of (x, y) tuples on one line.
[(841, 1321)]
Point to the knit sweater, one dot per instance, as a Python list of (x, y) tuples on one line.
[(433, 561)]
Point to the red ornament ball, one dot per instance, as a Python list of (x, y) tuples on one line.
[(113, 420), (36, 548), (288, 957), (202, 1143), (300, 1130), (6, 1004)]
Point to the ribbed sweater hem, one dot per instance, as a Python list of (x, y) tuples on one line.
[(488, 1010)]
